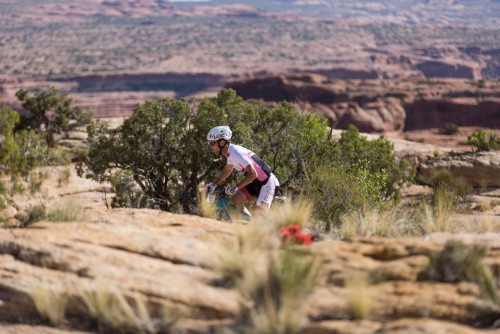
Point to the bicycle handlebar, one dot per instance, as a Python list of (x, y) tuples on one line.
[(219, 190)]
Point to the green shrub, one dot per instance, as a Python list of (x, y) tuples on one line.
[(362, 175), (20, 153), (483, 140), (459, 262), (445, 178), (163, 148), (449, 129), (58, 156), (127, 193), (49, 112), (377, 158), (67, 211), (337, 190), (63, 177), (32, 215)]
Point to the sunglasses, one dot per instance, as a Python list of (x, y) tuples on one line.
[(211, 143)]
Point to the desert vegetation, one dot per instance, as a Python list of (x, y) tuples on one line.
[(161, 150), (484, 140), (339, 191), (28, 141), (350, 250)]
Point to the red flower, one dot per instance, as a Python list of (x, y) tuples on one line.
[(292, 234)]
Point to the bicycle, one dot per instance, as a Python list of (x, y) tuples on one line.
[(224, 209)]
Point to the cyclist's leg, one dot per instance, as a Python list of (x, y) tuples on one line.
[(239, 199), (266, 195)]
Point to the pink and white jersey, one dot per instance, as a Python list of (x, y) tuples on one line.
[(240, 157)]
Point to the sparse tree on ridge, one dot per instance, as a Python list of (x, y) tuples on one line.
[(49, 112)]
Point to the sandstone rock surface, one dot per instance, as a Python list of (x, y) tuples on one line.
[(169, 259)]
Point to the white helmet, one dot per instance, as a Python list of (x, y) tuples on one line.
[(220, 132)]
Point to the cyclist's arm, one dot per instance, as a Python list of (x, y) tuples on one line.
[(224, 174), (251, 174)]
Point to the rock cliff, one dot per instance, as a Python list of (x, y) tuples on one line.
[(383, 105)]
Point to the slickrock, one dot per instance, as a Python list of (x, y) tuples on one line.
[(159, 255), (169, 259), (482, 168)]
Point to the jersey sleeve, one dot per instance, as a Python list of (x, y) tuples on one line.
[(239, 159)]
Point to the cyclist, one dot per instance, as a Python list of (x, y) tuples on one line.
[(259, 183)]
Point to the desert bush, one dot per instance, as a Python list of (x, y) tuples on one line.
[(63, 177), (66, 211), (436, 217), (449, 129), (163, 147), (448, 192), (20, 153), (49, 112), (296, 212), (458, 262), (127, 193), (483, 140), (444, 178), (338, 191), (362, 174), (273, 281), (278, 296), (376, 157), (32, 215)]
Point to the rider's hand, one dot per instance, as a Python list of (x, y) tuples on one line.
[(231, 190), (211, 187)]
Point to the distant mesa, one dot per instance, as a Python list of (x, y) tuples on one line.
[(436, 69), (383, 105)]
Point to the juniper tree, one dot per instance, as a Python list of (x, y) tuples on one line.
[(162, 148), (49, 112)]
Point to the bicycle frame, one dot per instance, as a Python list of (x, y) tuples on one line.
[(225, 210)]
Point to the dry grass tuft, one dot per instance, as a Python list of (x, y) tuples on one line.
[(242, 258), (50, 303), (372, 222), (286, 213), (205, 208), (438, 217), (117, 311), (278, 297), (358, 296), (481, 226), (63, 177), (273, 280), (458, 262), (67, 211)]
